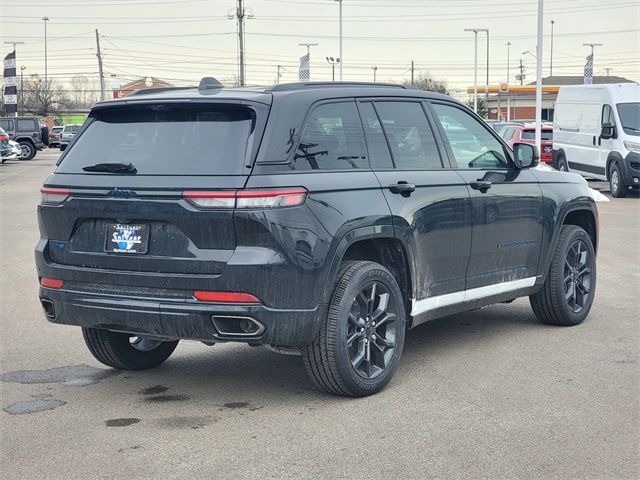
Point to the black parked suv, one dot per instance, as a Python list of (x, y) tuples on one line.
[(27, 132), (320, 219)]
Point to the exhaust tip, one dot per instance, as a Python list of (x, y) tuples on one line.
[(228, 326), (47, 306)]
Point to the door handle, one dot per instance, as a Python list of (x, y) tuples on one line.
[(481, 185), (402, 187)]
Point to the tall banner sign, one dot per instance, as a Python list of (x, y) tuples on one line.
[(10, 86), (588, 70), (305, 70)]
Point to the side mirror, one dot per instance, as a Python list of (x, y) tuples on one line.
[(608, 131), (525, 155)]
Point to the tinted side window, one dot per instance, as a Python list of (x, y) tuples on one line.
[(332, 140), (472, 144), (607, 115), (25, 125), (7, 124), (376, 142), (410, 137)]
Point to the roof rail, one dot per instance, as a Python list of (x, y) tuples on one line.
[(149, 91), (209, 83), (302, 85)]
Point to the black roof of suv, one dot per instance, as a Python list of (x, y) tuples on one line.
[(317, 218)]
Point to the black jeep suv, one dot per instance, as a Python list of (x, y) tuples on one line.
[(324, 219)]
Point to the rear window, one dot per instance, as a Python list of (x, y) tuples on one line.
[(71, 129), (531, 135), (167, 139)]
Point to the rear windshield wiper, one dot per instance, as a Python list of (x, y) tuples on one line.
[(111, 168)]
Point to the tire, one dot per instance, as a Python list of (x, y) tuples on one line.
[(28, 150), (117, 350), (553, 303), (616, 184), (562, 164), (330, 362)]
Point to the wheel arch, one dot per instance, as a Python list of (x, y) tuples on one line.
[(612, 157), (376, 244)]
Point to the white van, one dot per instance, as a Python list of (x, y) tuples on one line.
[(596, 133)]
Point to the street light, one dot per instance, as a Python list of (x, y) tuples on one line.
[(332, 61), (340, 15), (22, 69), (375, 69), (551, 56), (475, 64), (46, 19), (508, 44), (528, 52)]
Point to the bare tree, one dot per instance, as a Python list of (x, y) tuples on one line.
[(84, 92), (424, 81), (43, 98)]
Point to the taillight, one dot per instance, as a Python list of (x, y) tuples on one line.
[(51, 283), (224, 297), (54, 196), (3, 137), (264, 198), (212, 199)]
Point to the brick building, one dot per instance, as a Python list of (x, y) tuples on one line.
[(518, 102)]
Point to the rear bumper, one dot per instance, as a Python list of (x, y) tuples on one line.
[(177, 318)]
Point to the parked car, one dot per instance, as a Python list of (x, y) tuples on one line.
[(27, 132), (513, 133), (9, 150), (496, 124), (54, 136), (597, 133), (321, 219), (67, 134)]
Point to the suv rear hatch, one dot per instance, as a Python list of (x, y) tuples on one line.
[(117, 199)]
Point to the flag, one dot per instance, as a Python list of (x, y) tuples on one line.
[(305, 70), (10, 89), (588, 70)]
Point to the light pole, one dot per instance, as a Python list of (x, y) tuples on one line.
[(539, 73), (22, 69), (340, 20), (551, 56), (375, 70), (46, 19), (332, 61), (475, 64), (508, 44)]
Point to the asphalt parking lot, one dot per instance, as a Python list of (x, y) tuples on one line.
[(488, 394)]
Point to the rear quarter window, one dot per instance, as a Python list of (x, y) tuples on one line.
[(27, 125), (167, 139)]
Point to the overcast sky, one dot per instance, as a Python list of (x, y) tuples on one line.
[(183, 40)]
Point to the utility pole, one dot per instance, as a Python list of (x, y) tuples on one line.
[(413, 69), (100, 72), (340, 15), (279, 74), (309, 45), (240, 17), (551, 56), (521, 76), (475, 64), (508, 44), (375, 70), (608, 70)]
